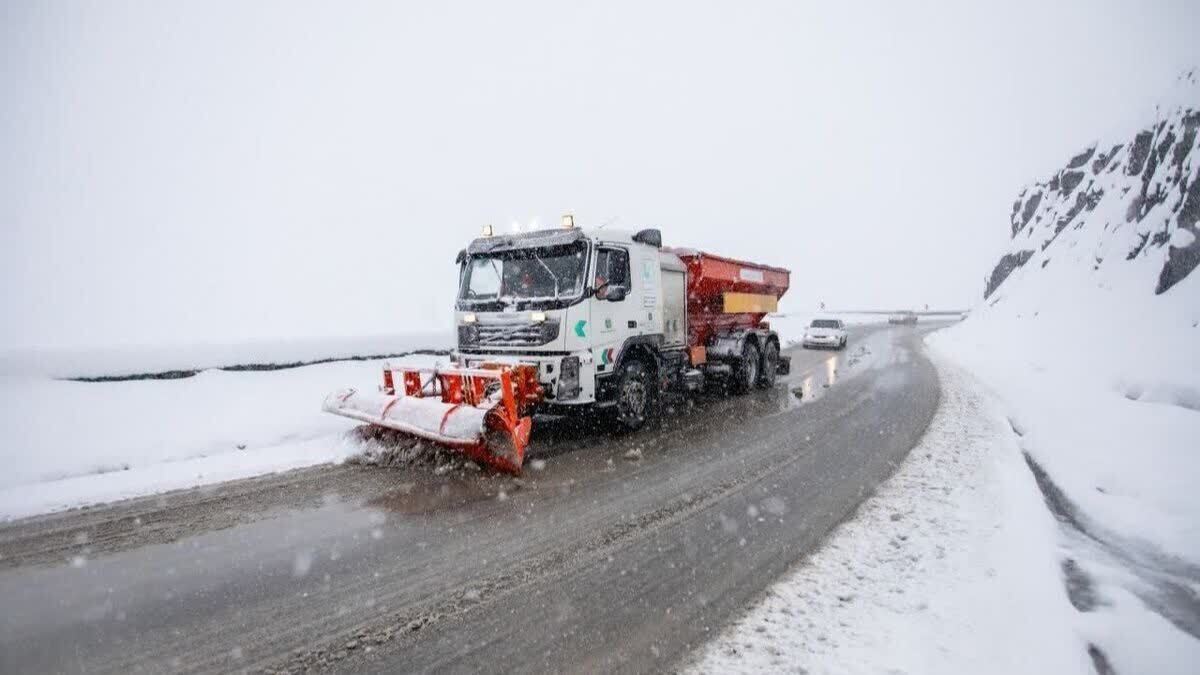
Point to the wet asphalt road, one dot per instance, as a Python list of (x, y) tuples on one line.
[(595, 562)]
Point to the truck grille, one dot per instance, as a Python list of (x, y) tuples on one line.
[(525, 334)]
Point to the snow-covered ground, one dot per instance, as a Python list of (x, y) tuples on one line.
[(1119, 473), (1113, 411), (67, 443), (1103, 379), (1100, 380), (139, 359), (948, 568), (956, 565)]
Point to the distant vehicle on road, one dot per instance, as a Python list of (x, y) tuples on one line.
[(908, 318), (825, 333)]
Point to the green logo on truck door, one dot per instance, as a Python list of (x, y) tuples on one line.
[(579, 326)]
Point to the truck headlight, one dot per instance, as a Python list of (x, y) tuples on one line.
[(468, 334), (568, 379)]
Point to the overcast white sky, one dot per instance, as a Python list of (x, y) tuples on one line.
[(178, 172)]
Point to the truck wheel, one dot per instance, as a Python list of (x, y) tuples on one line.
[(745, 374), (635, 398), (770, 367)]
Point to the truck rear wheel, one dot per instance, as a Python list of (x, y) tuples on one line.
[(770, 367), (745, 374), (635, 397)]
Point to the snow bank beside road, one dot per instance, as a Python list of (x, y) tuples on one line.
[(1099, 382), (1107, 413), (109, 361), (67, 444), (948, 568)]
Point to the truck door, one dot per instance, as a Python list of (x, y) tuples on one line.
[(611, 316)]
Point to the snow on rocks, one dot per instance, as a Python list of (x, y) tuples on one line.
[(948, 568), (1132, 201)]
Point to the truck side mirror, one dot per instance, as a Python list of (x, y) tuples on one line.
[(615, 293), (650, 237), (462, 255)]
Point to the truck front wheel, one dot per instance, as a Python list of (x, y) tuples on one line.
[(745, 374), (635, 398)]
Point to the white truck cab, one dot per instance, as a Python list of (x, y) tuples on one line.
[(571, 301), (604, 314)]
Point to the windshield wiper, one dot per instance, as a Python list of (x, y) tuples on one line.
[(548, 271)]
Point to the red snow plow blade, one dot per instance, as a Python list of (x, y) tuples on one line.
[(482, 412)]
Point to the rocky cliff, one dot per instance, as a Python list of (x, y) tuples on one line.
[(1126, 200)]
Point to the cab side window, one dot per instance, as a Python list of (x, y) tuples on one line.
[(612, 270)]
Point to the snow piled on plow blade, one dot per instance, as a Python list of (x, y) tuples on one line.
[(430, 418)]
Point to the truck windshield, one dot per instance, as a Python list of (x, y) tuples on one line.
[(525, 274)]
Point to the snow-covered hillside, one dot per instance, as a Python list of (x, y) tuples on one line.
[(1097, 293), (1128, 200), (1090, 334)]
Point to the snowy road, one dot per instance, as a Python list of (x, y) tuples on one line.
[(619, 554)]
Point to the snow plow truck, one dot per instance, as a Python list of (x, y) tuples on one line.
[(556, 321)]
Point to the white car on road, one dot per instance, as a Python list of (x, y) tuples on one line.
[(825, 333)]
